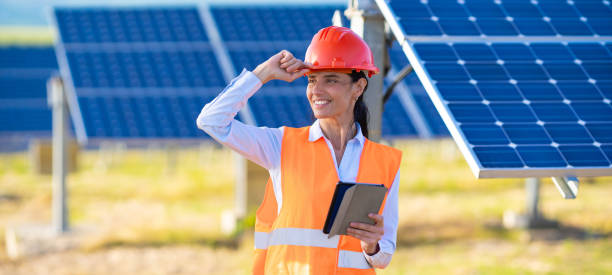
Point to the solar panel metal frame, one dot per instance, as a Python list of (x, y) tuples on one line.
[(475, 165)]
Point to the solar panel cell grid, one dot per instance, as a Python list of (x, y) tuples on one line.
[(271, 23), (130, 25), (266, 109), (527, 133), (395, 119), (23, 119), (22, 88), (584, 156), (601, 132), (27, 57), (145, 69), (539, 95), (541, 156), (504, 18), (498, 156), (24, 112), (118, 56), (141, 117), (416, 91), (484, 134)]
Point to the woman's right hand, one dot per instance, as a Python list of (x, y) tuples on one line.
[(282, 66)]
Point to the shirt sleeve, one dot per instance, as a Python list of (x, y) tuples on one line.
[(388, 240), (259, 144)]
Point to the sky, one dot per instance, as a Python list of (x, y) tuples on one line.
[(35, 12)]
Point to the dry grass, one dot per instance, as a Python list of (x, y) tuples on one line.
[(26, 35), (143, 212)]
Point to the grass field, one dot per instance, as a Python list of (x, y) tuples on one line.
[(26, 35), (145, 217)]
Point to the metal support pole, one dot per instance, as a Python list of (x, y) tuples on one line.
[(567, 186), (532, 218), (532, 186), (57, 101), (368, 22), (241, 186)]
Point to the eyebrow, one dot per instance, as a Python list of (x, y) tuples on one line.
[(325, 76)]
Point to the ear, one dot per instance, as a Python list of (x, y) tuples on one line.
[(359, 87)]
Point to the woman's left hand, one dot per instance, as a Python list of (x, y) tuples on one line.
[(368, 234)]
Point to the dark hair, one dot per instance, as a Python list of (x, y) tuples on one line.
[(360, 112)]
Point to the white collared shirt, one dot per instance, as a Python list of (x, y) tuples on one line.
[(262, 145)]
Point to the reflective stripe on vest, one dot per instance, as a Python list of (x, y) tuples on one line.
[(315, 238), (352, 259), (302, 237), (261, 240)]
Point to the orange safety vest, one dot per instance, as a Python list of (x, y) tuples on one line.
[(292, 241)]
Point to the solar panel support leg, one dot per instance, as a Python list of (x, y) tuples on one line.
[(240, 169), (568, 186), (58, 103), (368, 22), (532, 218), (398, 78), (532, 186)]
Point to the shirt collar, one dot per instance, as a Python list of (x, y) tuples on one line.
[(315, 133)]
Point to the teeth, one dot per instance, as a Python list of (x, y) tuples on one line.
[(321, 102)]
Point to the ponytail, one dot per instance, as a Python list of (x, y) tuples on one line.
[(360, 111)]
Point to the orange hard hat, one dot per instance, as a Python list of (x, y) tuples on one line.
[(339, 48)]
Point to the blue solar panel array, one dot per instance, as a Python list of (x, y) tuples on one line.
[(267, 23), (130, 25), (418, 94), (34, 59), (142, 116), (145, 69), (24, 112), (544, 101), (517, 107), (504, 18), (139, 73)]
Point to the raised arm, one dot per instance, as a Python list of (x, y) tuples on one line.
[(259, 144)]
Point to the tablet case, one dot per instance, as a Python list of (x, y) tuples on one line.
[(352, 202)]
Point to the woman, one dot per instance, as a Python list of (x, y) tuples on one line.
[(306, 163)]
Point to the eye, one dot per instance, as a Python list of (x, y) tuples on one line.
[(311, 81), (332, 81)]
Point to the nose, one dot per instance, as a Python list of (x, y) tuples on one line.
[(316, 88)]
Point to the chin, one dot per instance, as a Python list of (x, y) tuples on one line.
[(320, 115)]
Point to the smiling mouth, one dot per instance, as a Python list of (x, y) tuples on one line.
[(320, 103)]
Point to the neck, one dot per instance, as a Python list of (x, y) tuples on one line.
[(338, 131)]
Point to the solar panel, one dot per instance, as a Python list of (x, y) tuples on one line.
[(517, 106), (504, 18), (294, 108), (424, 107), (130, 25), (24, 113), (137, 72)]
